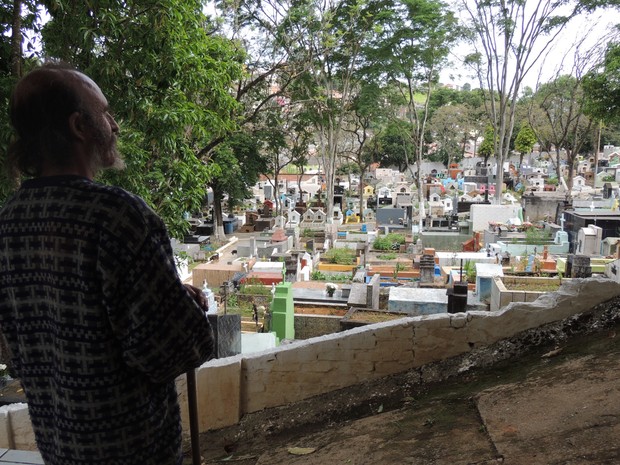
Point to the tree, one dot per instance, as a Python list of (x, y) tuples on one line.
[(567, 128), (511, 36), (395, 147), (168, 82), (239, 164), (526, 138), (602, 87), (367, 110), (410, 52), (450, 129), (284, 139), (488, 145), (18, 26)]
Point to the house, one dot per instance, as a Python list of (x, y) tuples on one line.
[(313, 219), (434, 197), (536, 183), (451, 185), (384, 196), (436, 208), (448, 207), (368, 191), (293, 218), (469, 186)]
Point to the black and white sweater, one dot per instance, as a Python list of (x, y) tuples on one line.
[(98, 322)]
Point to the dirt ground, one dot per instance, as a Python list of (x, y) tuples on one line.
[(549, 396)]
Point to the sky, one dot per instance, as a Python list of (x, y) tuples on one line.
[(592, 28)]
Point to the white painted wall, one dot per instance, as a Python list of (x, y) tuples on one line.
[(481, 215), (231, 387)]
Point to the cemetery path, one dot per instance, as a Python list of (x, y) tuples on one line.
[(555, 406)]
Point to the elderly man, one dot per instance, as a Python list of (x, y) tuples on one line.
[(96, 319)]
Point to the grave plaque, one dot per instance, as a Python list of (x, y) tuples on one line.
[(227, 334)]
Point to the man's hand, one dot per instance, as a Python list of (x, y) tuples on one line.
[(198, 296)]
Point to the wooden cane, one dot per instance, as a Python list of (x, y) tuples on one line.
[(192, 405)]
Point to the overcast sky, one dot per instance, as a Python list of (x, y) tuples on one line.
[(592, 29)]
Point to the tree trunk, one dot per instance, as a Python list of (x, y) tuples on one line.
[(16, 40), (218, 223), (361, 194)]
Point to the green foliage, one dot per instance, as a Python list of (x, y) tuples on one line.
[(387, 256), (487, 148), (340, 256), (254, 287), (317, 275), (395, 147), (535, 235), (168, 83), (388, 242), (469, 270), (526, 138), (602, 87)]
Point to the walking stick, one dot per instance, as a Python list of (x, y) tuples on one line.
[(192, 404)]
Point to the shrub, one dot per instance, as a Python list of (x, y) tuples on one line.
[(340, 256), (390, 241), (535, 235)]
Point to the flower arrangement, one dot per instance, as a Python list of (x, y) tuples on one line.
[(330, 288)]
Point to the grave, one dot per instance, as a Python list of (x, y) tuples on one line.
[(427, 266), (457, 297), (282, 312), (365, 295), (485, 272), (417, 301), (226, 333)]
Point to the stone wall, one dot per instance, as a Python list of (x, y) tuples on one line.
[(231, 387), (502, 294), (309, 326)]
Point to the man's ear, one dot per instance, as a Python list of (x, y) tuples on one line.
[(77, 125)]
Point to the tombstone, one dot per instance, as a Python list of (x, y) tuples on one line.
[(226, 334), (267, 208), (427, 268), (457, 298), (569, 265), (294, 218), (390, 215), (581, 267), (282, 312), (279, 222), (485, 272), (589, 240), (268, 191)]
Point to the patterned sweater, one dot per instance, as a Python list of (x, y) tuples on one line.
[(97, 321)]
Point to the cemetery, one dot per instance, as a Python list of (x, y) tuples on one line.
[(298, 295)]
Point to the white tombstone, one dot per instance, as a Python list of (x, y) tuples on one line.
[(294, 218), (280, 222), (589, 240), (308, 216)]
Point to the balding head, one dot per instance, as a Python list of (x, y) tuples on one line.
[(42, 110)]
